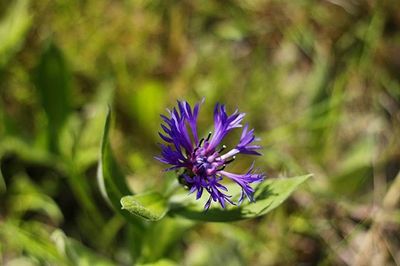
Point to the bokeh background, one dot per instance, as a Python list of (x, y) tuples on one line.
[(319, 81)]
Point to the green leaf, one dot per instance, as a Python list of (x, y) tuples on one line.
[(13, 29), (151, 206), (113, 187), (111, 181), (268, 195), (52, 79)]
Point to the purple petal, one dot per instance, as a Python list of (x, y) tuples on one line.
[(244, 181), (246, 139), (223, 124)]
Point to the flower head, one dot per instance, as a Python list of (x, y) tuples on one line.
[(204, 160)]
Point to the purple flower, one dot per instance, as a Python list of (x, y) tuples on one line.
[(204, 160)]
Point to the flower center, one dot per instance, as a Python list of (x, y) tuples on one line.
[(206, 165), (207, 162)]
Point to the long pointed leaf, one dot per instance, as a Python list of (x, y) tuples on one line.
[(269, 195), (111, 181)]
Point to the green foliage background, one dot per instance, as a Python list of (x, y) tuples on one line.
[(318, 80)]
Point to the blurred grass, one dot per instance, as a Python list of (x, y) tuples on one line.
[(318, 80)]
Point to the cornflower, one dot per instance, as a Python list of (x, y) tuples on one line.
[(204, 160)]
